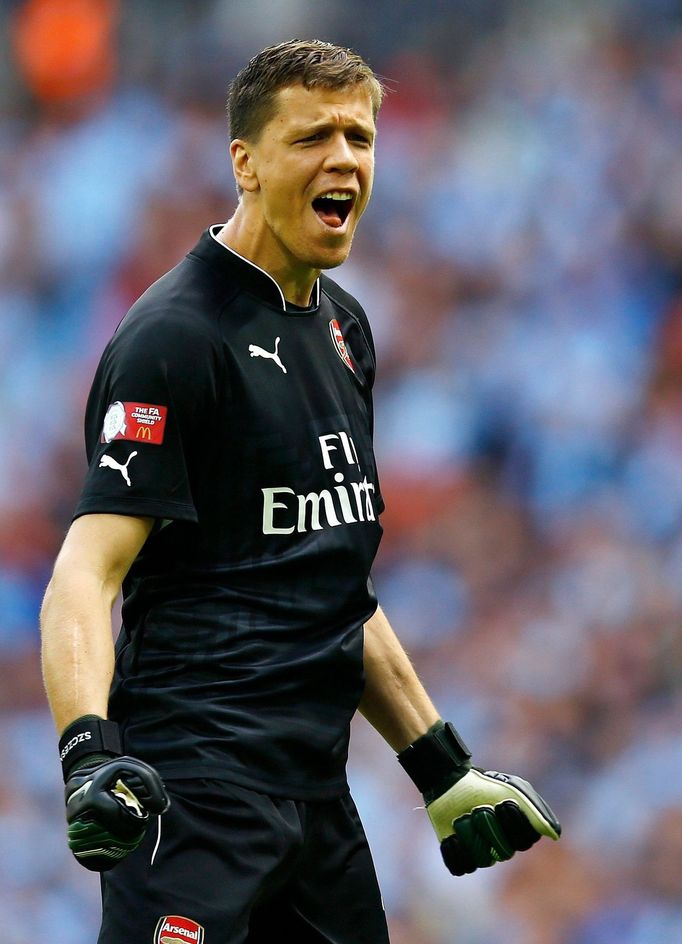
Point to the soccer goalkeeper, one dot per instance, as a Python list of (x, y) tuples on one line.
[(232, 493)]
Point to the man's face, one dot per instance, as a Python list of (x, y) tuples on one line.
[(312, 170)]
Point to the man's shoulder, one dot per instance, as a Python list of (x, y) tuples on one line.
[(187, 288), (171, 326), (180, 307), (351, 306), (339, 295)]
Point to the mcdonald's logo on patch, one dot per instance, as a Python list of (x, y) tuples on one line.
[(144, 422)]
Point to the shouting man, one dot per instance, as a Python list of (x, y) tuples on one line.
[(233, 494)]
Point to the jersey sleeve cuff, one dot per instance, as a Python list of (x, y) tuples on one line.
[(142, 507)]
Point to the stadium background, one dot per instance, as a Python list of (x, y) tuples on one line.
[(521, 263)]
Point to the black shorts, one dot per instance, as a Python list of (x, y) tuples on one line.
[(227, 865)]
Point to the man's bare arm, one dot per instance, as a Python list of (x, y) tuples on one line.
[(75, 619), (394, 700), (480, 817)]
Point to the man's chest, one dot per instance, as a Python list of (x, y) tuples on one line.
[(291, 382)]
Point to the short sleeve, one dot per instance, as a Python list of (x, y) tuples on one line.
[(150, 400)]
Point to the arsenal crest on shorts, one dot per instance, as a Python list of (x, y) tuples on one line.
[(174, 929), (340, 344)]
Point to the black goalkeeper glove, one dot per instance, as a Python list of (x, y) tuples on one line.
[(480, 816), (109, 798)]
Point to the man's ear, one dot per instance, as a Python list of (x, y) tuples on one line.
[(242, 165)]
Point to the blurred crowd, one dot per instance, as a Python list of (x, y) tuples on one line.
[(521, 264)]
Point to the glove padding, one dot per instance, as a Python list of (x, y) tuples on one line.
[(486, 816), (108, 805)]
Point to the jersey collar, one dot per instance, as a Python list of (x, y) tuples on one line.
[(252, 278)]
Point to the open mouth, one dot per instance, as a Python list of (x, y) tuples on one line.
[(333, 207)]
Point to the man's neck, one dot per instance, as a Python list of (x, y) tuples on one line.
[(296, 285)]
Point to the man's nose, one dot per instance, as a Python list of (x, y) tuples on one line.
[(341, 156)]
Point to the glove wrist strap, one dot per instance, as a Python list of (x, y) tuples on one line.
[(436, 760), (89, 734)]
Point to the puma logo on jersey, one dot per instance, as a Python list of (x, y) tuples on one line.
[(256, 351), (106, 462)]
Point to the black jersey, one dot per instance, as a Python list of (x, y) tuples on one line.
[(245, 430)]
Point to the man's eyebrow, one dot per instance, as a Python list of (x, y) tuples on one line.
[(324, 124)]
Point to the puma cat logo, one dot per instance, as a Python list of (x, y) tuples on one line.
[(106, 462), (256, 351)]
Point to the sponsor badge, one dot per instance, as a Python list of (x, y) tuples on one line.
[(340, 344), (175, 929), (139, 422)]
